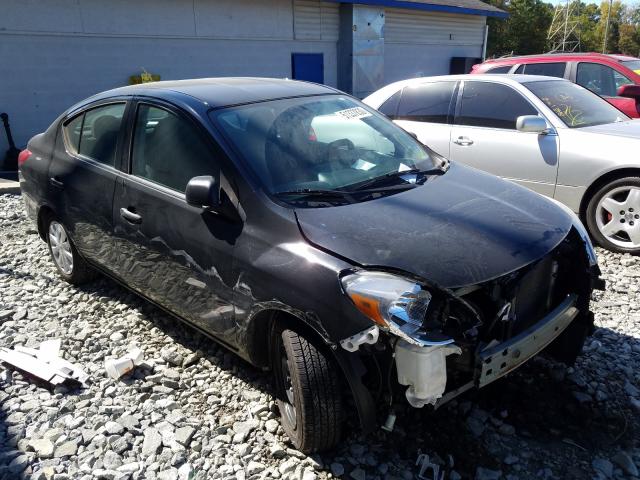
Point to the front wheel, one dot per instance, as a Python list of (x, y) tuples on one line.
[(70, 265), (308, 392), (613, 215)]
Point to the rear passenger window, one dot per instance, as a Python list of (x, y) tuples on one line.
[(100, 130), (72, 132), (168, 150), (429, 102), (555, 69), (492, 105)]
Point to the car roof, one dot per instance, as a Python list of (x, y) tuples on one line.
[(559, 56), (223, 91), (502, 78)]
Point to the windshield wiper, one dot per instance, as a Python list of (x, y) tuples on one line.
[(391, 175), (308, 192)]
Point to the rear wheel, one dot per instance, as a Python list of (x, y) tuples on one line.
[(70, 265), (613, 215), (308, 392)]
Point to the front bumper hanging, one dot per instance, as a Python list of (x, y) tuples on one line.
[(505, 357)]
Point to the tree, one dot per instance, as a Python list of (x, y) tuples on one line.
[(524, 32), (615, 19), (629, 41)]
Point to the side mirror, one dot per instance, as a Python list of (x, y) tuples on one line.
[(531, 124), (203, 192), (629, 91)]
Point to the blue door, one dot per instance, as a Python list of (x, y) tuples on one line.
[(307, 66)]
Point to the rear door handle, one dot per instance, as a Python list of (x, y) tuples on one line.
[(463, 141), (56, 183), (130, 216)]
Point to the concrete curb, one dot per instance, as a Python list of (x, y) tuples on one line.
[(9, 186)]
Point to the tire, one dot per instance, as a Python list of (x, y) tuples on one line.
[(308, 392), (69, 264), (613, 216)]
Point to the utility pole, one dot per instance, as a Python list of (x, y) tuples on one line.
[(606, 29)]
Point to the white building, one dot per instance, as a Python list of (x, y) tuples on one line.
[(54, 53)]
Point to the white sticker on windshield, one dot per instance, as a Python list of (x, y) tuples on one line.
[(363, 165), (351, 113)]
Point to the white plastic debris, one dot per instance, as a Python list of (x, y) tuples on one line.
[(117, 367), (425, 464), (369, 336), (44, 363)]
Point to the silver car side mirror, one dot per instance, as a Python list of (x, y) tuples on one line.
[(532, 124)]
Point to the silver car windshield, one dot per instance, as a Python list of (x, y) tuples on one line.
[(576, 106), (320, 143)]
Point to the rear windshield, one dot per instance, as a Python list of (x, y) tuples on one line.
[(633, 65), (576, 106)]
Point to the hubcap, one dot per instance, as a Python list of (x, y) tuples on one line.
[(618, 216), (289, 409), (60, 248)]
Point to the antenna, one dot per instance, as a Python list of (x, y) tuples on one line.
[(562, 35)]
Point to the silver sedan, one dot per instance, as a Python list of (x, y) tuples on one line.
[(545, 133)]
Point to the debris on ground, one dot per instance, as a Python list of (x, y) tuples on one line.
[(45, 363), (117, 367)]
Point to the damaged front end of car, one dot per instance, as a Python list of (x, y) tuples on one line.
[(440, 342)]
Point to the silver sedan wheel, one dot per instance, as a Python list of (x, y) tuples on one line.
[(60, 248), (618, 216)]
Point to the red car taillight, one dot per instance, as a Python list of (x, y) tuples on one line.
[(23, 156)]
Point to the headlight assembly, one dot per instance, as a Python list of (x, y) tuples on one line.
[(396, 304)]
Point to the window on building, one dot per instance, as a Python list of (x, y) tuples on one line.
[(429, 102), (600, 79), (492, 105), (168, 150), (502, 69), (553, 69)]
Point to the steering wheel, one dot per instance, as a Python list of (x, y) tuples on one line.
[(341, 151)]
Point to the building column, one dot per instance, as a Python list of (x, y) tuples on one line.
[(361, 49)]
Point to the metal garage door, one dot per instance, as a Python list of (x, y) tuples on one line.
[(419, 43), (315, 20)]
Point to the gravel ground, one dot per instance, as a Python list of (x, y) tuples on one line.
[(198, 411)]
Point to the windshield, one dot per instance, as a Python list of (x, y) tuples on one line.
[(576, 106), (632, 65), (320, 144)]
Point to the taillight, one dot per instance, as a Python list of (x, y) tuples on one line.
[(23, 156)]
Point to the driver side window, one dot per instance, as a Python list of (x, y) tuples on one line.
[(168, 150), (600, 79)]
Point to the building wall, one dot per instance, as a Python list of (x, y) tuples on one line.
[(420, 44), (57, 52)]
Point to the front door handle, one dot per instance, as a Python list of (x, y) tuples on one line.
[(463, 141), (130, 216), (56, 182)]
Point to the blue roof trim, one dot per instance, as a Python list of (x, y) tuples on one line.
[(429, 7)]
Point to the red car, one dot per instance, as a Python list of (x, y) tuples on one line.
[(616, 78)]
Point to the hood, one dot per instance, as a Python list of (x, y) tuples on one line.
[(629, 129), (461, 228)]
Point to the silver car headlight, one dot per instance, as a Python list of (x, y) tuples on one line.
[(394, 303)]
